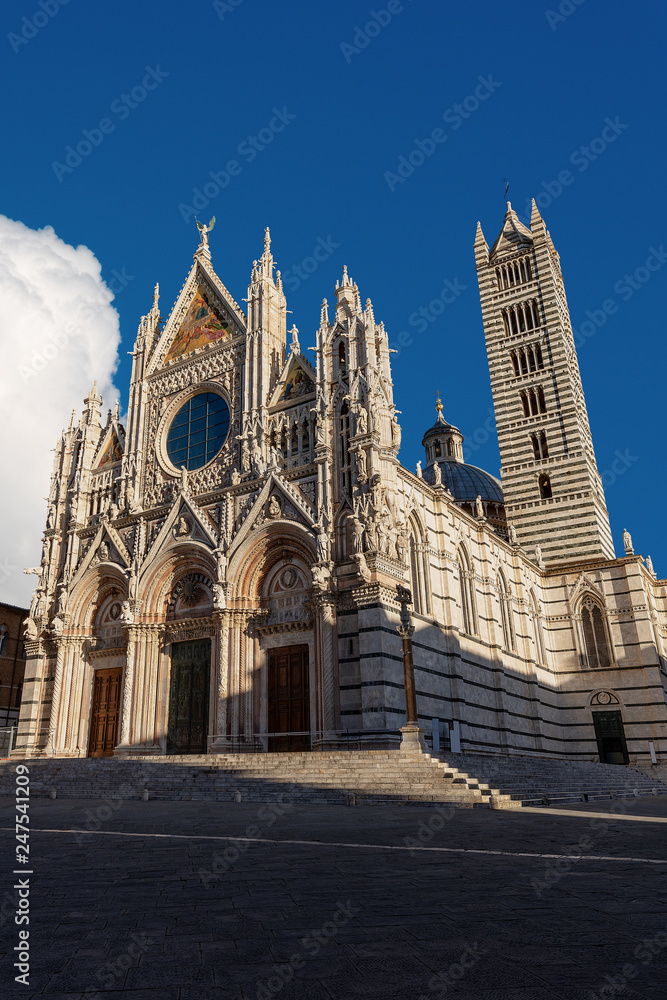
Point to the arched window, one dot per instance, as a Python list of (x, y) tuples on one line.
[(541, 402), (540, 448), (418, 567), (342, 358), (536, 617), (506, 617), (467, 584), (4, 639), (596, 642), (545, 487)]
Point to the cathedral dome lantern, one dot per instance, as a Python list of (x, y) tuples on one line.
[(468, 485), (442, 441)]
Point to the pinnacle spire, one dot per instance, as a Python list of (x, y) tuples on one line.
[(324, 314)]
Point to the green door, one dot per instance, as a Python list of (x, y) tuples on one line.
[(610, 735), (188, 696)]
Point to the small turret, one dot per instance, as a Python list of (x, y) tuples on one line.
[(443, 442)]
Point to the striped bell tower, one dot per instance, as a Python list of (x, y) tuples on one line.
[(552, 488)]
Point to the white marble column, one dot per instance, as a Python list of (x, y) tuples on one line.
[(128, 686), (53, 740)]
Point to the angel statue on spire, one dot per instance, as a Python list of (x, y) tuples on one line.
[(205, 230)]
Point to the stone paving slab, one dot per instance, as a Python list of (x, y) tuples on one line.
[(325, 919)]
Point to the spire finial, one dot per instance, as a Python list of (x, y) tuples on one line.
[(267, 238), (438, 404)]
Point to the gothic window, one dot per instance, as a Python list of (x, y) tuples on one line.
[(342, 358), (4, 639), (515, 273), (541, 402), (527, 359), (536, 617), (509, 641), (545, 487), (467, 585), (418, 567), (344, 451), (198, 431), (526, 404), (540, 449), (596, 643)]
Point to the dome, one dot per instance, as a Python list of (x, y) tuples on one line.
[(466, 482)]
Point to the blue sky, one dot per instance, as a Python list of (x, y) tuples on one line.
[(183, 90)]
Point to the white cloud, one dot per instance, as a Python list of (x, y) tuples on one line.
[(58, 333)]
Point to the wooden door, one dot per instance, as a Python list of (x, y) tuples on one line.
[(289, 698), (610, 735), (106, 710), (188, 696)]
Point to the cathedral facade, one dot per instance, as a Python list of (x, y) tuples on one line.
[(221, 575)]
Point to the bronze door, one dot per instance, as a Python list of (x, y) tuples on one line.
[(188, 696), (289, 698), (610, 735), (106, 710)]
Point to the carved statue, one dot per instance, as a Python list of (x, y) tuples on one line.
[(114, 511), (538, 556), (258, 463), (221, 554), (362, 566), (479, 506), (437, 475), (275, 510), (57, 626), (320, 575), (183, 527), (362, 420), (62, 599), (126, 613), (401, 545), (395, 433), (382, 537), (511, 534), (219, 601), (649, 565), (627, 543), (184, 479), (322, 543), (245, 455), (361, 465), (204, 230), (30, 629), (371, 536), (51, 516), (103, 552), (357, 534), (418, 471), (236, 477)]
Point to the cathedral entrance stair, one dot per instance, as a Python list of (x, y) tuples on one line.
[(548, 781), (365, 777), (371, 776)]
